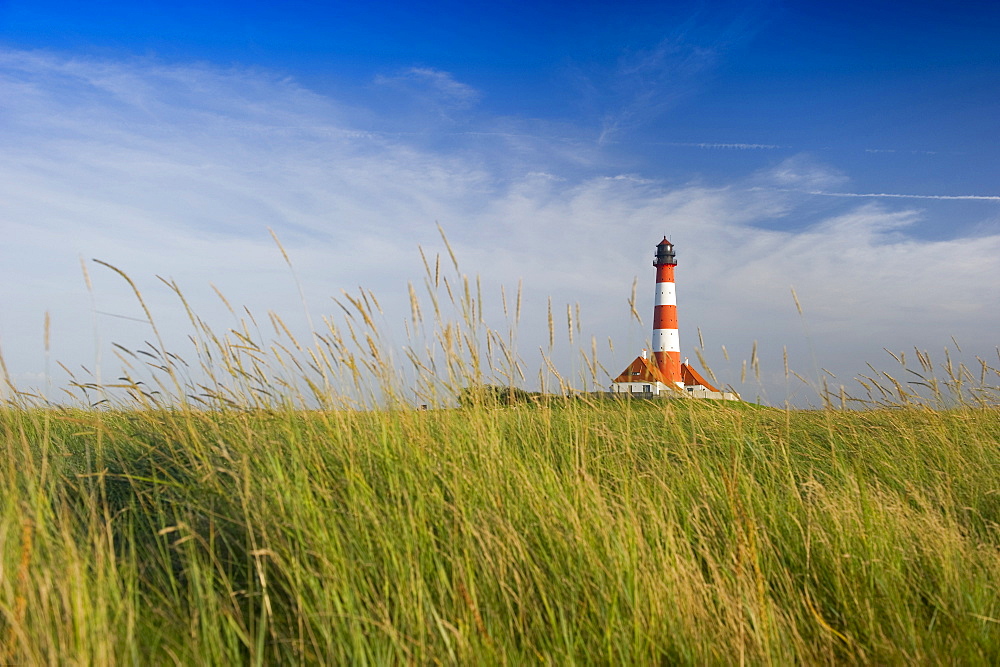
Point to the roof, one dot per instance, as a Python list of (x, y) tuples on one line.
[(640, 370), (644, 370), (691, 376)]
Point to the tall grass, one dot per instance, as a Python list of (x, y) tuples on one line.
[(238, 507)]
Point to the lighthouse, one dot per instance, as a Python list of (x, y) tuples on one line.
[(666, 341), (664, 375)]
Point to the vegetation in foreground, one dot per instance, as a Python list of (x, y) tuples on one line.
[(679, 532), (253, 517)]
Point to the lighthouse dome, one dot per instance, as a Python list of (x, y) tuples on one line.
[(665, 253)]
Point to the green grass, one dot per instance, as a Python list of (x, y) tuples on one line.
[(611, 533), (243, 510)]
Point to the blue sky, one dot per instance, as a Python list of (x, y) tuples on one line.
[(847, 150)]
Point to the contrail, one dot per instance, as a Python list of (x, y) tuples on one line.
[(888, 195), (898, 150), (899, 196), (750, 146), (723, 145)]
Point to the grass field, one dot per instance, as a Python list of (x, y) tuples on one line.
[(633, 532), (254, 517)]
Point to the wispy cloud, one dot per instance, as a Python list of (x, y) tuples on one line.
[(432, 83), (648, 82), (801, 172)]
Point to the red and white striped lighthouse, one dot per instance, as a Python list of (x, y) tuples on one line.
[(666, 342), (664, 375)]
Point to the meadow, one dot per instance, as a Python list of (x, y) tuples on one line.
[(257, 507)]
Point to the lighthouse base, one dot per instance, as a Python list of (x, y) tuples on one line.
[(642, 379), (660, 390)]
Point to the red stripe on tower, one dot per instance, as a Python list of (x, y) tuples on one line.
[(666, 342)]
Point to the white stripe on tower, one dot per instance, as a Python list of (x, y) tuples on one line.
[(666, 295), (666, 341)]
